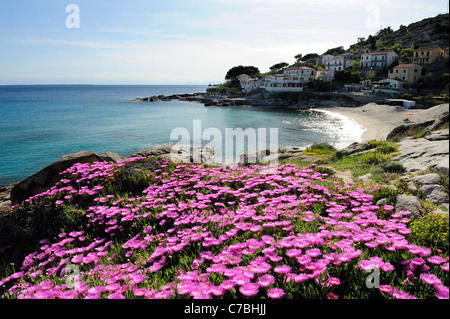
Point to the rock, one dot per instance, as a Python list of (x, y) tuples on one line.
[(5, 206), (48, 176), (420, 154), (411, 204), (428, 179), (440, 135), (111, 157), (409, 183), (152, 152), (431, 188), (351, 149), (435, 194)]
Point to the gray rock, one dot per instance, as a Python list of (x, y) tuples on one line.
[(152, 152), (419, 154), (111, 157), (5, 206), (411, 204), (409, 182), (438, 135), (435, 194), (49, 176), (428, 179), (351, 149)]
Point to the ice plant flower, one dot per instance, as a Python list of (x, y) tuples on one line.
[(249, 289), (275, 293)]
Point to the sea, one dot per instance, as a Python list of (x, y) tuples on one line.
[(41, 123)]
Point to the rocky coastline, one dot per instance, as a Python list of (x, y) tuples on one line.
[(423, 158), (260, 99)]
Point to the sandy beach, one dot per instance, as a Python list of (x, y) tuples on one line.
[(380, 120)]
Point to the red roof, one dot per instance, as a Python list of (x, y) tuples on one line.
[(401, 66), (299, 68)]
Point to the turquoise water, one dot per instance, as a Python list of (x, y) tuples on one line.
[(39, 124)]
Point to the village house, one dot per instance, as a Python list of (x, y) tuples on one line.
[(323, 59), (294, 79), (390, 86), (378, 60), (410, 73), (338, 64), (324, 75), (426, 55)]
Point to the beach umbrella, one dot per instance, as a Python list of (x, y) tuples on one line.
[(409, 114)]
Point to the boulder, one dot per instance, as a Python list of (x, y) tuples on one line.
[(111, 157), (434, 193), (49, 176), (351, 149), (428, 179), (420, 154), (411, 204)]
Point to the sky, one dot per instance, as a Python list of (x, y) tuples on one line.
[(180, 41)]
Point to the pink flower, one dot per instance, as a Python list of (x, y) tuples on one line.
[(275, 293), (333, 281), (266, 280), (445, 267), (386, 267), (385, 288), (331, 296), (241, 280), (228, 284), (429, 279), (116, 295), (283, 269), (313, 252), (293, 252), (437, 260), (249, 289), (417, 261), (366, 265)]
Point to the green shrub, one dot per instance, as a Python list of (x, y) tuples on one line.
[(430, 230), (393, 167)]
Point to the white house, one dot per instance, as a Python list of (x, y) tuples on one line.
[(302, 74), (293, 79), (338, 64), (390, 86), (324, 75), (380, 59), (323, 59), (248, 83)]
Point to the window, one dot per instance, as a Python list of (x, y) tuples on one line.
[(404, 78), (428, 53), (404, 71), (421, 53), (396, 71)]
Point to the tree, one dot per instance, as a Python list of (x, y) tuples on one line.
[(372, 43), (337, 50), (406, 55), (397, 48), (347, 76), (278, 66), (299, 57), (310, 57), (234, 72)]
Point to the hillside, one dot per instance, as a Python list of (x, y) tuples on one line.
[(429, 31)]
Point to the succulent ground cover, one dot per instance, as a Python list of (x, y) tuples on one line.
[(155, 229)]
